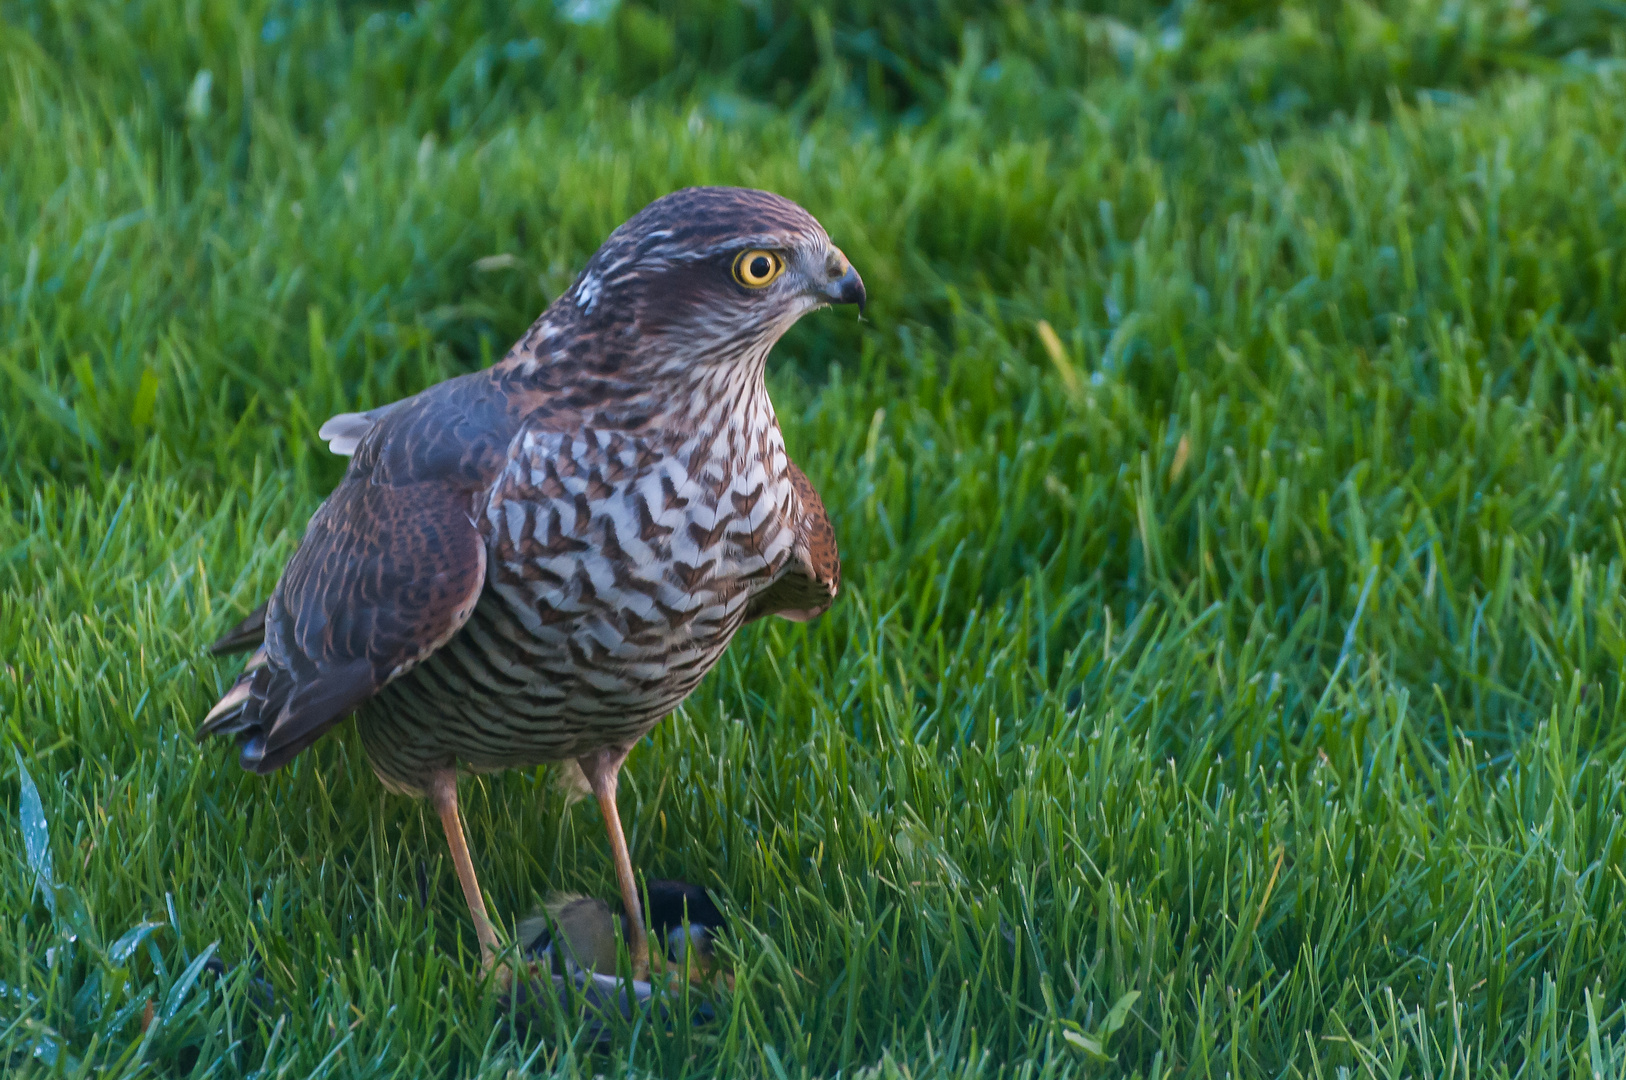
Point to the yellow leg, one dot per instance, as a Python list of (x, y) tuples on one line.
[(602, 769), (443, 793)]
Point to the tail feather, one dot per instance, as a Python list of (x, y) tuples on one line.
[(273, 717), (236, 710), (294, 715), (244, 636), (228, 709)]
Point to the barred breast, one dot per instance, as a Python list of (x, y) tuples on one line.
[(618, 569)]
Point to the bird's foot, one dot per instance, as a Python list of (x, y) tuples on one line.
[(502, 964), (501, 974)]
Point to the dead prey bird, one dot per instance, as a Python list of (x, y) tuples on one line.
[(572, 950), (580, 931), (538, 561)]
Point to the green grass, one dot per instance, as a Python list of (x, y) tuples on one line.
[(1254, 646)]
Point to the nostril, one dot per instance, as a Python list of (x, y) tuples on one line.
[(835, 265)]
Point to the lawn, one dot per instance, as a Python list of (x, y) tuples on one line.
[(1230, 477)]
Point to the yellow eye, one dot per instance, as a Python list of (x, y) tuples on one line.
[(756, 269)]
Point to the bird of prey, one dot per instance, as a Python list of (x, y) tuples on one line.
[(538, 561)]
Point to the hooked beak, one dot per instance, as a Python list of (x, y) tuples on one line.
[(845, 286)]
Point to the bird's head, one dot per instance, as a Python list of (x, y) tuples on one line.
[(719, 261), (699, 281)]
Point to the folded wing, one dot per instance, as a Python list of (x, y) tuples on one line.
[(809, 584), (389, 569), (384, 576)]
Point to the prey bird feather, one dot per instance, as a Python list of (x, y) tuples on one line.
[(538, 561)]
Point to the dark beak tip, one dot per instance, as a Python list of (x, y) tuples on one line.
[(849, 289)]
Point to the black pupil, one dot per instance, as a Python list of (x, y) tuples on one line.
[(760, 266)]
